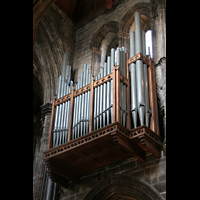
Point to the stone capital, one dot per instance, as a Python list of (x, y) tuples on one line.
[(46, 109), (94, 49), (123, 34)]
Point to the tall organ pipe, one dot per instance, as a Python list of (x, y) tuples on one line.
[(76, 113), (84, 104), (74, 117), (124, 86), (139, 69), (88, 104), (108, 112), (146, 88), (112, 62), (67, 114), (133, 80), (58, 123), (119, 62), (98, 102), (95, 106), (101, 100), (56, 114), (80, 106), (104, 95), (86, 98)]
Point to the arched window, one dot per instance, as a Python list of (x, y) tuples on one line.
[(148, 36)]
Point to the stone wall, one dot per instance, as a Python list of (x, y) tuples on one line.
[(55, 35), (152, 171), (85, 31), (38, 163)]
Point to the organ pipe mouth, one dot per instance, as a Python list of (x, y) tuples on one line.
[(141, 104)]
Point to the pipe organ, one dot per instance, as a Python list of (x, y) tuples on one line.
[(103, 119)]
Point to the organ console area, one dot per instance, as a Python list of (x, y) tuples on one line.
[(106, 118)]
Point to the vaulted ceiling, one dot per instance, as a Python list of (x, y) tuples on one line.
[(76, 10)]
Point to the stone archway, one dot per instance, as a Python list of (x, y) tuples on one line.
[(129, 18), (106, 34), (124, 187)]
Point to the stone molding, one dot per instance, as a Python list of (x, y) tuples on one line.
[(95, 50), (46, 109)]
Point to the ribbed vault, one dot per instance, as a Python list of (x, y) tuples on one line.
[(123, 187)]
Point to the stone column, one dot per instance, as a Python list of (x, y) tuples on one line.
[(96, 60), (158, 27), (39, 168)]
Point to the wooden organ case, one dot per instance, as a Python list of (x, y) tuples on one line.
[(101, 126), (107, 144)]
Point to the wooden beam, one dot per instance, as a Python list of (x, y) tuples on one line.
[(155, 99), (128, 107), (71, 115), (91, 105), (50, 140), (114, 91), (117, 71), (138, 56)]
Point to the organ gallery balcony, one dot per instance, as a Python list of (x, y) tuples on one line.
[(92, 125)]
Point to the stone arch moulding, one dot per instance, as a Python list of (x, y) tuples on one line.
[(111, 26), (128, 18), (96, 42), (123, 187)]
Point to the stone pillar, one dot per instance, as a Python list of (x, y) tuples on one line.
[(160, 72), (96, 60), (38, 173), (158, 27)]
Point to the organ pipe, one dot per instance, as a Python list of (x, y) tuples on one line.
[(133, 80), (146, 88), (139, 69), (109, 91), (103, 93)]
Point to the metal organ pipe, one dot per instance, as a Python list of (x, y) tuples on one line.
[(88, 102), (146, 88), (112, 62), (139, 69), (109, 92), (98, 102), (95, 106), (58, 132), (133, 80), (104, 95), (124, 86), (101, 100)]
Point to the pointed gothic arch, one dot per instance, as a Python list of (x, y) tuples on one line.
[(111, 26), (107, 33), (123, 187), (129, 18)]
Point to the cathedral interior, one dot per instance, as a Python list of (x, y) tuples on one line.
[(85, 36)]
